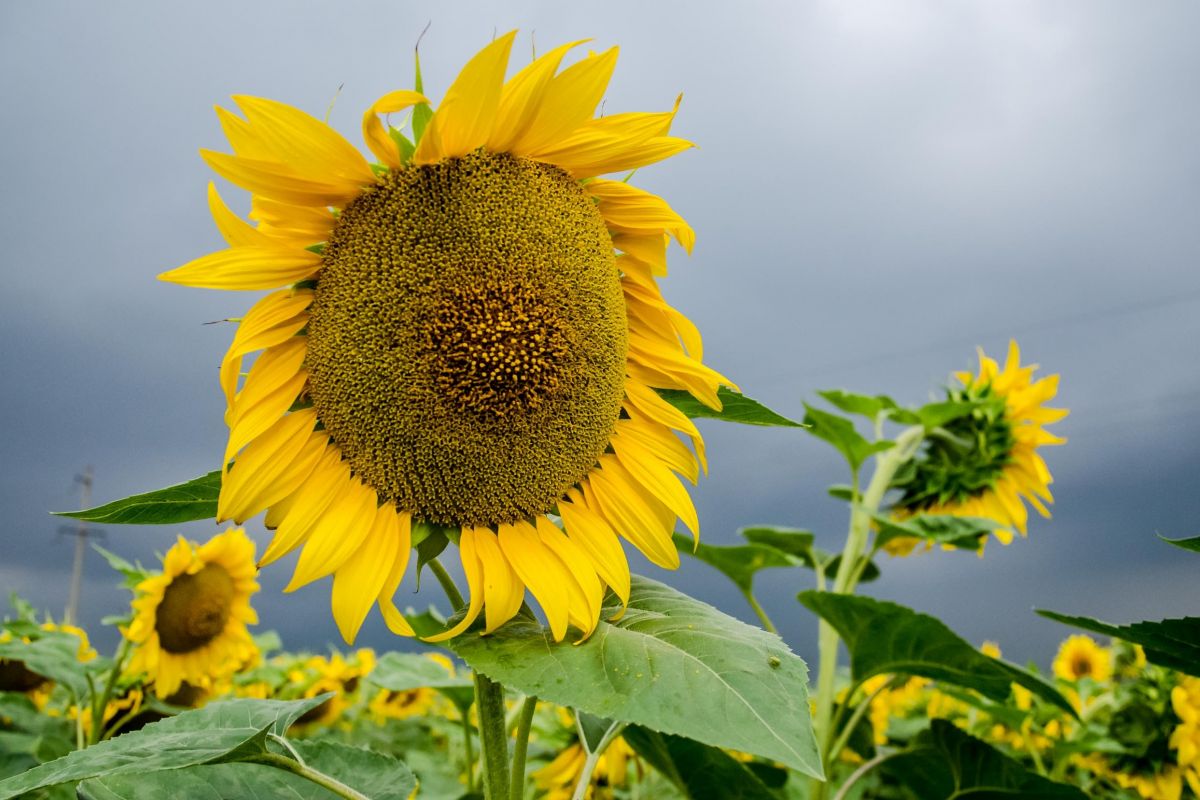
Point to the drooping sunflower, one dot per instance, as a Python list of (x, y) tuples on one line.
[(469, 335), (190, 621), (1080, 657), (15, 675), (988, 465)]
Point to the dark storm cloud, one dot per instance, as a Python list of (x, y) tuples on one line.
[(879, 188)]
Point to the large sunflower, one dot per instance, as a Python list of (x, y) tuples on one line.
[(470, 337), (986, 464), (190, 621)]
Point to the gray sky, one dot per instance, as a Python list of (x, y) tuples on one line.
[(880, 186)]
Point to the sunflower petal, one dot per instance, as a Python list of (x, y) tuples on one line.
[(522, 97), (474, 574), (274, 383), (568, 102), (271, 321), (251, 268), (628, 209), (594, 535), (538, 568), (260, 466), (503, 591), (396, 622), (586, 591), (234, 230), (330, 478), (307, 145), (336, 535), (358, 582), (278, 182), (374, 133)]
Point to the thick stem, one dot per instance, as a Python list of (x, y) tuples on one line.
[(448, 585), (310, 774), (861, 511), (470, 753), (493, 738), (761, 612), (521, 746)]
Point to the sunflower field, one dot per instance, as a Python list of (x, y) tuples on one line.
[(464, 379)]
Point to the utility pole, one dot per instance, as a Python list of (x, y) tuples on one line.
[(81, 535)]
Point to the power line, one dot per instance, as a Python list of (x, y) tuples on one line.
[(81, 535)]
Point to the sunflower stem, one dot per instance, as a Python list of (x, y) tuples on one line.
[(521, 746), (470, 753), (761, 612), (309, 774), (493, 738), (862, 508), (448, 585), (97, 732)]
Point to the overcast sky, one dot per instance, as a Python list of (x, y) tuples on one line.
[(879, 188)]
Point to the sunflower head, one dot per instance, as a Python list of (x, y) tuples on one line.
[(469, 334), (15, 675), (190, 620), (985, 463), (1081, 657)]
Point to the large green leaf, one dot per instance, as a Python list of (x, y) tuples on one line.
[(378, 776), (183, 502), (739, 563), (700, 771), (964, 533), (799, 544), (886, 638), (225, 731), (935, 415), (735, 407), (868, 406), (946, 764), (1192, 544), (21, 714), (53, 655), (1173, 643), (671, 663), (403, 672), (840, 433)]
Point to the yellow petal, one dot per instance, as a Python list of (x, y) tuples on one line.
[(255, 267), (659, 481), (474, 575), (274, 383), (402, 530), (306, 144), (330, 478), (522, 97), (503, 591), (358, 582), (242, 138), (654, 407), (337, 534), (277, 182), (376, 135), (307, 225), (593, 534), (649, 249), (629, 513), (465, 118), (234, 230), (653, 440), (585, 590), (537, 567), (568, 102), (260, 465), (271, 321), (628, 209), (598, 154)]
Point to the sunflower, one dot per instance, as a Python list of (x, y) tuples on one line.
[(986, 464), (335, 674), (1080, 657), (559, 777), (190, 621), (388, 704), (468, 339), (15, 675)]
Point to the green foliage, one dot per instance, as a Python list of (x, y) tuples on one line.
[(739, 563), (735, 407), (946, 763), (886, 638), (964, 533), (403, 672), (1173, 643), (234, 730), (699, 771), (183, 502), (651, 666), (798, 544), (53, 655), (840, 432), (1192, 544)]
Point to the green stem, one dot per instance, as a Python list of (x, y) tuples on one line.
[(593, 758), (448, 585), (866, 767), (861, 511), (114, 674), (310, 774), (848, 730), (470, 753), (493, 739), (760, 611), (521, 747)]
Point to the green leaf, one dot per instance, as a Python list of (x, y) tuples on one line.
[(964, 533), (861, 404), (840, 433), (886, 638), (1173, 643), (423, 112), (737, 562), (429, 622), (935, 415), (403, 672), (1192, 544), (799, 544), (224, 731), (405, 147), (702, 772), (735, 407), (53, 655), (241, 781), (133, 575), (22, 715), (651, 667), (183, 502), (378, 776), (593, 730), (946, 763)]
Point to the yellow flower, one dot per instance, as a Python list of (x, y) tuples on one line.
[(128, 705), (1001, 470), (190, 621), (388, 704), (334, 674), (470, 335), (558, 778), (15, 676), (1185, 739), (1081, 657)]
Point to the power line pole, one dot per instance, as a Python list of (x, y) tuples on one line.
[(81, 535)]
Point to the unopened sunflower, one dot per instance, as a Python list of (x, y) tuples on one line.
[(986, 464), (190, 621), (469, 335)]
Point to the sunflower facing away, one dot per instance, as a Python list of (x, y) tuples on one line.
[(190, 621), (988, 466), (469, 335)]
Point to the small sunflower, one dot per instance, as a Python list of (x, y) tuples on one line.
[(1080, 657), (190, 621), (988, 465), (388, 704), (559, 777), (335, 674), (470, 336)]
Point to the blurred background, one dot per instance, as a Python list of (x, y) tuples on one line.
[(880, 187)]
